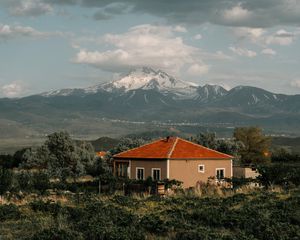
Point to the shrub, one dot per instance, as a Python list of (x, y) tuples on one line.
[(56, 234), (50, 207), (41, 182), (5, 180), (9, 212)]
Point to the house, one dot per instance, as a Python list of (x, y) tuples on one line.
[(101, 154), (173, 158)]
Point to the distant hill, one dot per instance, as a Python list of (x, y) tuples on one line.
[(144, 98), (104, 143)]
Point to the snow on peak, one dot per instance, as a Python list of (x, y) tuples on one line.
[(146, 78)]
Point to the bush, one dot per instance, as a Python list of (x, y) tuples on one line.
[(24, 179), (5, 180), (9, 212), (47, 207), (56, 234), (40, 182)]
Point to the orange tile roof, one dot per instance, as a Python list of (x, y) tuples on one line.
[(101, 154), (173, 148)]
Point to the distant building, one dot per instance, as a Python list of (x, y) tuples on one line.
[(101, 154), (173, 158)]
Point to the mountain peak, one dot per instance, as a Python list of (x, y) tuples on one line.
[(146, 78)]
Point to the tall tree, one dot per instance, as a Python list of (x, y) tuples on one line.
[(65, 158), (256, 146)]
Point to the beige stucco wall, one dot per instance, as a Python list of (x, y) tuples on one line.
[(244, 172), (187, 170), (148, 165)]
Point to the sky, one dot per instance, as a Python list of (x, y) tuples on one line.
[(53, 44)]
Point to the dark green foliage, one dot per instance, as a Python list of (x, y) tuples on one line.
[(9, 212), (7, 161), (5, 180), (102, 221), (126, 144), (153, 223), (48, 207), (285, 156), (225, 146), (65, 158), (31, 181), (25, 180), (279, 174), (40, 181), (55, 234), (257, 216)]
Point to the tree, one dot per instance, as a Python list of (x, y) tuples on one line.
[(66, 158), (210, 140), (126, 144), (6, 161), (34, 158), (207, 140), (256, 145), (5, 180)]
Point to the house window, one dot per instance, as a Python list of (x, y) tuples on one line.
[(156, 174), (220, 173), (140, 173), (122, 169), (201, 168)]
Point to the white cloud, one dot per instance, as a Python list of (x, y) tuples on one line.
[(262, 37), (198, 36), (243, 52), (281, 37), (295, 83), (143, 45), (13, 89), (252, 34), (269, 51), (17, 31), (237, 13), (198, 69), (180, 29), (30, 8)]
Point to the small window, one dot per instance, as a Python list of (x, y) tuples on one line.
[(201, 168), (140, 173), (156, 174), (220, 173)]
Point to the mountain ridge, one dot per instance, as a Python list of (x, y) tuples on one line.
[(158, 97)]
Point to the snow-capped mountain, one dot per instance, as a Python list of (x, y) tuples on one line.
[(145, 86), (148, 79), (144, 78)]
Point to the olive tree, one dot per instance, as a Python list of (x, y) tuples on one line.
[(256, 145)]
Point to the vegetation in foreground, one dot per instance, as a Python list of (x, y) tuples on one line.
[(257, 215)]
